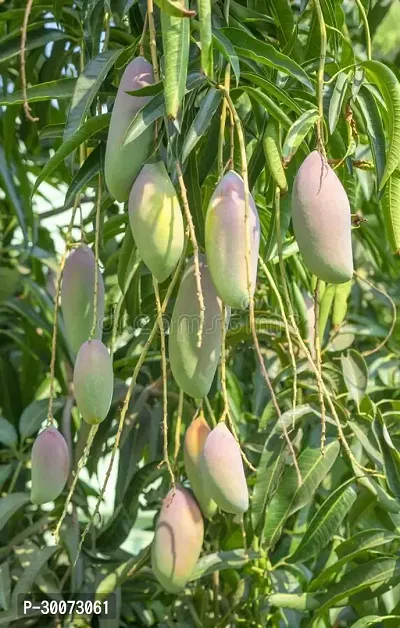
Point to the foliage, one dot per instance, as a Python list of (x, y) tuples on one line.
[(325, 553)]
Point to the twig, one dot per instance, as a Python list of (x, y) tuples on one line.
[(195, 252), (143, 36), (321, 70), (364, 18), (81, 464), (160, 323), (132, 384), (317, 345), (242, 145), (24, 32), (153, 42), (50, 417), (287, 332), (178, 427), (96, 264)]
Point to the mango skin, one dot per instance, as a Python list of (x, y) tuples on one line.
[(77, 297), (225, 241), (156, 220), (122, 164), (93, 381), (195, 438), (223, 471), (177, 540), (322, 221), (50, 466), (194, 367)]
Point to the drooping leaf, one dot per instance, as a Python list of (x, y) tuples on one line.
[(298, 132), (86, 88), (203, 119), (389, 87), (390, 454), (325, 523), (355, 373)]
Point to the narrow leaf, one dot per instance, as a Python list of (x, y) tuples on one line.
[(325, 523), (355, 373), (390, 455), (298, 132), (60, 89), (208, 107), (336, 103)]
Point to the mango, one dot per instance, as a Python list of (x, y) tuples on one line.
[(177, 540), (195, 438), (194, 367), (77, 297), (225, 241), (93, 381), (123, 163), (156, 220), (322, 221), (50, 466), (223, 471)]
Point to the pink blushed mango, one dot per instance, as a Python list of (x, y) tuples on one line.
[(93, 381), (77, 297), (322, 220), (50, 466), (123, 163), (223, 471), (177, 540), (225, 241), (195, 438)]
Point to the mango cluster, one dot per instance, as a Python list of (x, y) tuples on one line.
[(215, 470), (93, 373)]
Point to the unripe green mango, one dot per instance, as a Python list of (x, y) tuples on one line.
[(195, 438), (225, 240), (223, 471), (50, 466), (93, 381), (322, 221), (156, 220), (194, 367), (123, 163), (177, 540), (325, 307), (340, 304), (77, 297)]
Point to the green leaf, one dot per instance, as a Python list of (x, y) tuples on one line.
[(9, 506), (89, 128), (374, 127), (6, 178), (174, 8), (391, 457), (90, 167), (234, 559), (391, 211), (208, 107), (176, 43), (34, 415), (5, 586), (298, 132), (365, 576), (290, 497), (36, 39), (206, 39), (146, 116), (267, 102), (356, 546), (336, 103), (33, 564), (273, 90), (371, 620), (355, 373), (8, 434), (261, 52), (224, 46), (389, 87), (86, 88), (60, 89), (325, 523)]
